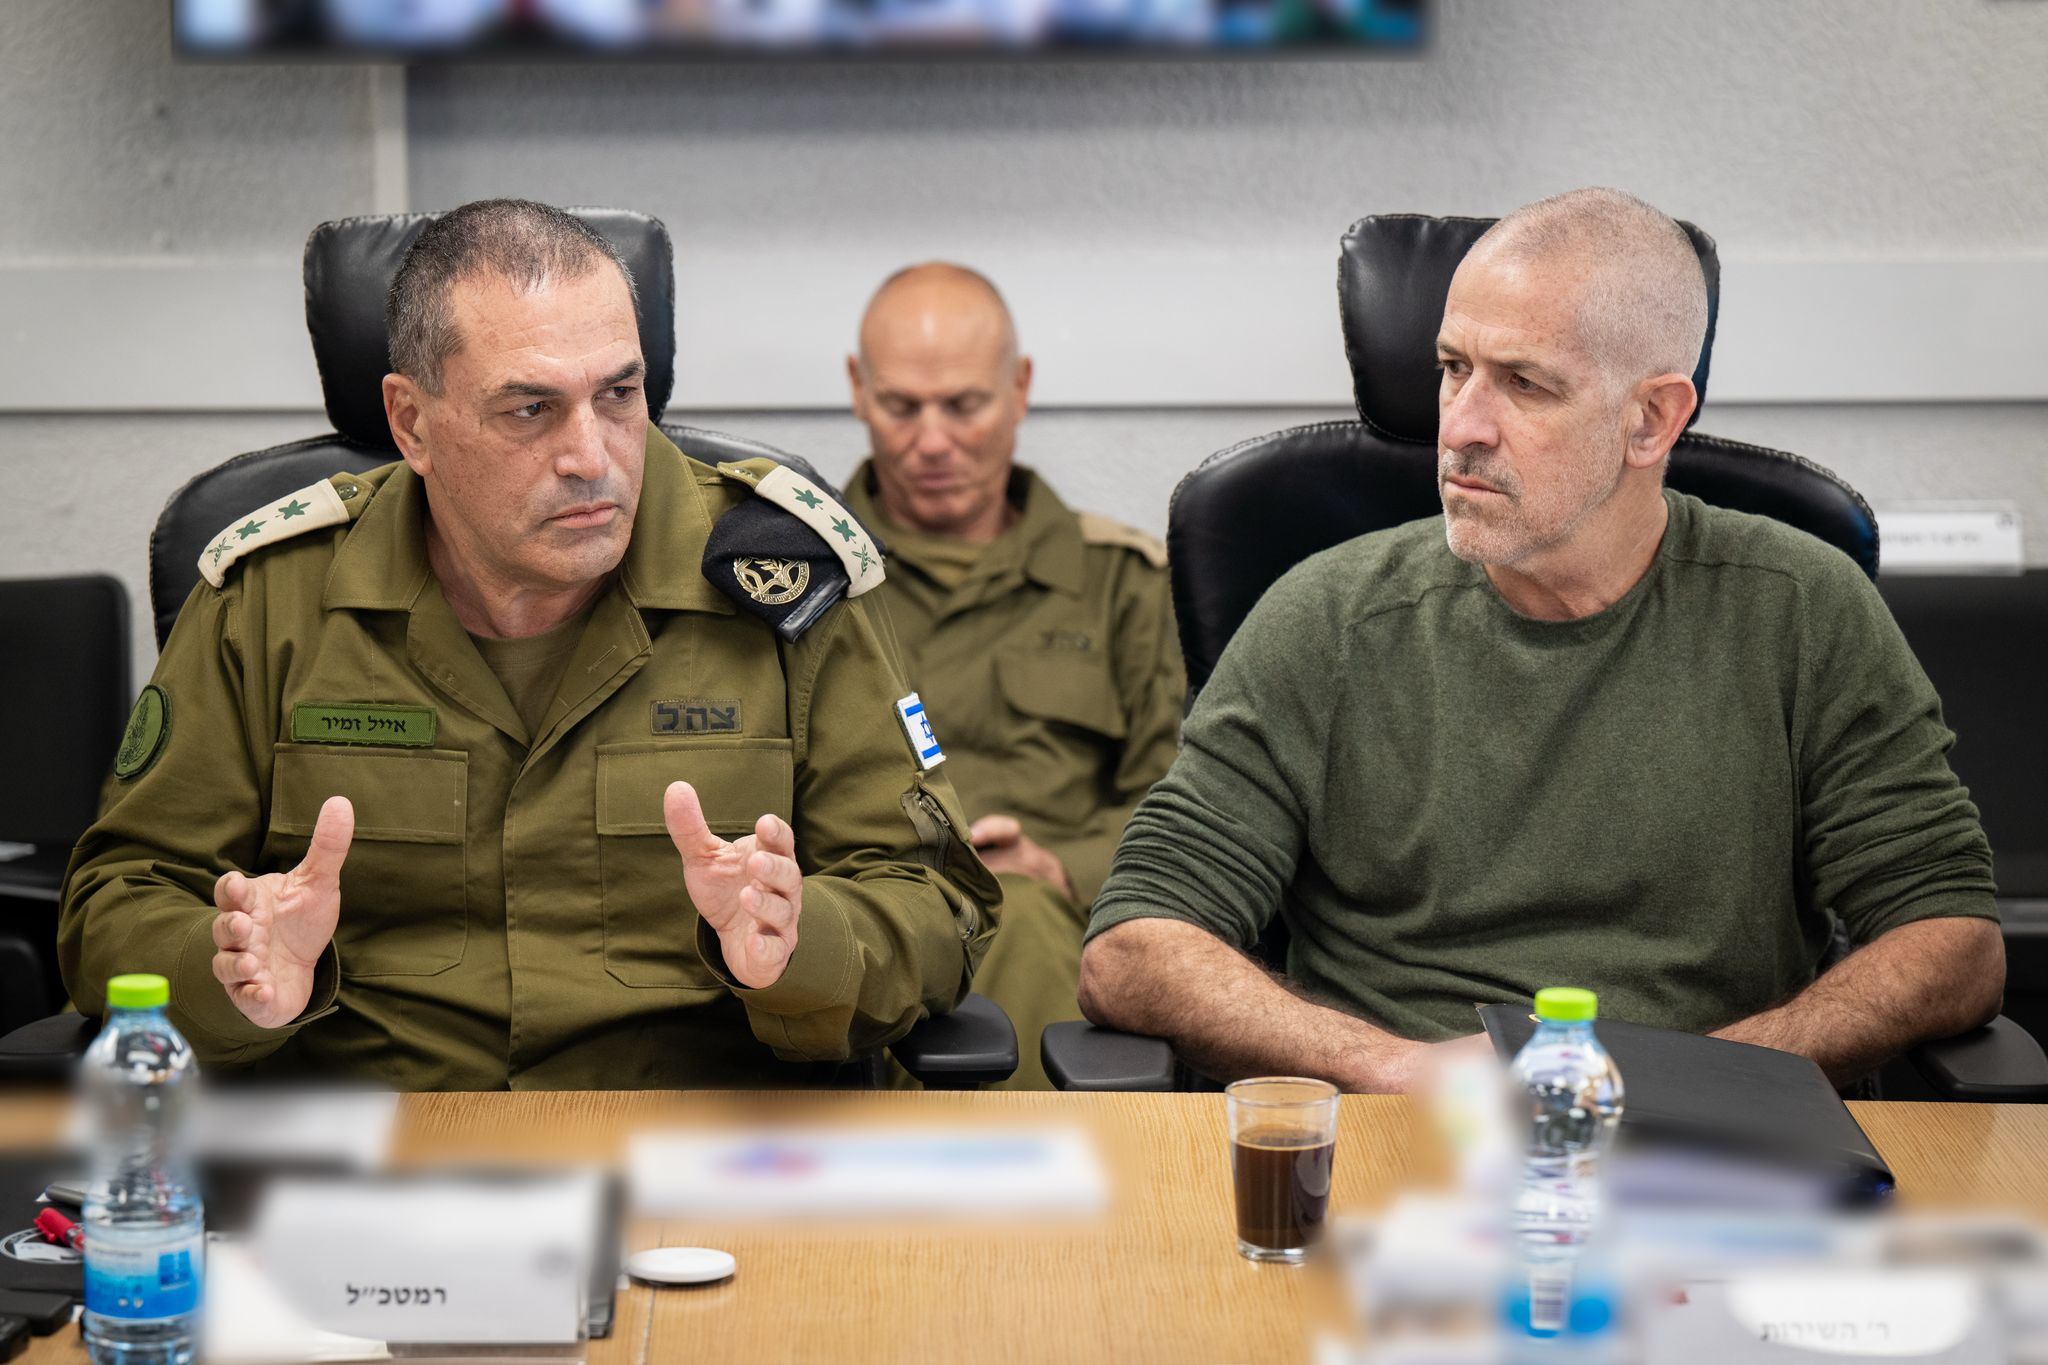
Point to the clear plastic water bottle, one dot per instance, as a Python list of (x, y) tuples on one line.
[(144, 1237), (1569, 1092)]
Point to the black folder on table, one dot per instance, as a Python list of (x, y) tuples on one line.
[(1730, 1099)]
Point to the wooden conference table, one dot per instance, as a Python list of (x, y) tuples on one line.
[(1157, 1279)]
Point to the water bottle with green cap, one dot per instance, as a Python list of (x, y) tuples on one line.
[(1569, 1096), (144, 1227)]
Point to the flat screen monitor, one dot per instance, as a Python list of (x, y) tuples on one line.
[(422, 30)]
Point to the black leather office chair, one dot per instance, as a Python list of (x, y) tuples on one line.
[(1250, 513), (1984, 642), (64, 696), (349, 266)]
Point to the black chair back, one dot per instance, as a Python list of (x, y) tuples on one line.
[(65, 691), (349, 266), (1393, 273), (1248, 514), (1984, 644)]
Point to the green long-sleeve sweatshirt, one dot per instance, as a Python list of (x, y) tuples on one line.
[(1451, 803)]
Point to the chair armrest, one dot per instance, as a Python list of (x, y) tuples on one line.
[(1080, 1056), (47, 1049), (974, 1045), (1999, 1062)]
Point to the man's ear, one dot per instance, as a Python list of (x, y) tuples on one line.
[(405, 410), (1659, 411), (1023, 382), (856, 388)]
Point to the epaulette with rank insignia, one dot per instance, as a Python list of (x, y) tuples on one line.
[(330, 502), (1099, 530), (789, 554)]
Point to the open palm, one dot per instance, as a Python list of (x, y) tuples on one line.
[(272, 929), (750, 891)]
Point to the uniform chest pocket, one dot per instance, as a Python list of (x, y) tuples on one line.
[(1069, 687), (404, 895), (650, 927)]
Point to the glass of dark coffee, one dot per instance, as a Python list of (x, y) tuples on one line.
[(1283, 1137)]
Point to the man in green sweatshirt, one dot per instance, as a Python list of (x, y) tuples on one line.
[(1582, 730)]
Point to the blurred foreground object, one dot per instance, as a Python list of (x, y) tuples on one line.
[(880, 1172), (462, 1258), (144, 1248), (1700, 1287), (1570, 1096)]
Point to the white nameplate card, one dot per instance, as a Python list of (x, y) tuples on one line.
[(457, 1259), (1949, 538), (867, 1173)]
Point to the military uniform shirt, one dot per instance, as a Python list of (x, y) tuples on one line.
[(530, 669), (1052, 669), (513, 912)]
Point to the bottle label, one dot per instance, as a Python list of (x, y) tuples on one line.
[(143, 1279), (1550, 1297)]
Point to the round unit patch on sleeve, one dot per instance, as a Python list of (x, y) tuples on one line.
[(149, 725)]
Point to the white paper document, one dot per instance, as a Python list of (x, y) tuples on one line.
[(867, 1172)]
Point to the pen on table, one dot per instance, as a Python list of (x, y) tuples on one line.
[(55, 1227)]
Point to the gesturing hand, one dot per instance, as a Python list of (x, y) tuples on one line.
[(272, 929), (750, 891), (1005, 847)]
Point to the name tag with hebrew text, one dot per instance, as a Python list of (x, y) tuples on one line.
[(356, 722)]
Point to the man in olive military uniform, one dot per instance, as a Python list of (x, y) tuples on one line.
[(1042, 640), (475, 771)]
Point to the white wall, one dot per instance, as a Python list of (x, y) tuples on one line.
[(1824, 130), (111, 149)]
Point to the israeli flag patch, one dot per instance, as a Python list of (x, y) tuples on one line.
[(917, 728)]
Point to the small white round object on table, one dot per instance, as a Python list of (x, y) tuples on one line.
[(681, 1265)]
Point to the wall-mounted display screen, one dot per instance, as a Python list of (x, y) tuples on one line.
[(582, 29)]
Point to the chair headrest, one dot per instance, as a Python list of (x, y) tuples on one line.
[(351, 262), (1393, 273)]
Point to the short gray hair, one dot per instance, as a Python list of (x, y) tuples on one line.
[(1643, 311), (517, 240)]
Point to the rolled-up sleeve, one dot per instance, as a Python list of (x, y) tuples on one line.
[(1890, 834), (1216, 841)]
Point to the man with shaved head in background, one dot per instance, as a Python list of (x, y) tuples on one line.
[(1583, 730), (1041, 640)]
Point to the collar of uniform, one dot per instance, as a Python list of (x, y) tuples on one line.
[(1045, 543), (382, 562), (664, 564)]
